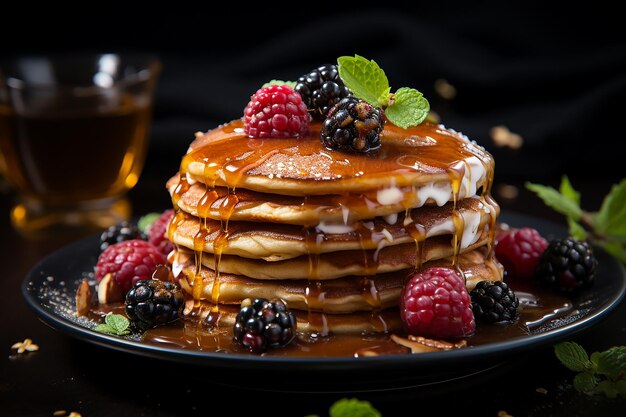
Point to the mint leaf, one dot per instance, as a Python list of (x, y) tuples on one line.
[(118, 322), (608, 388), (612, 362), (365, 79), (409, 108), (353, 408), (146, 221), (568, 191), (573, 356), (291, 84), (611, 219), (621, 387), (556, 200), (585, 382), (105, 328)]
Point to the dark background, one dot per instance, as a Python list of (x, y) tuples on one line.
[(556, 76)]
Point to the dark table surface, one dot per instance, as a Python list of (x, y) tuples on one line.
[(72, 375)]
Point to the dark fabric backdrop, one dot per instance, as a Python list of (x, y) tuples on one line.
[(555, 76)]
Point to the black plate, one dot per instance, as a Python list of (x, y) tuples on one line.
[(51, 299)]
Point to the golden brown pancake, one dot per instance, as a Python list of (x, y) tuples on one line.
[(277, 242), (333, 265), (424, 155), (204, 202), (342, 295)]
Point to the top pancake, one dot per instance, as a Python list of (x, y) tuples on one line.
[(425, 155)]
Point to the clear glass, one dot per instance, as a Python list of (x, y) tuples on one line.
[(74, 134)]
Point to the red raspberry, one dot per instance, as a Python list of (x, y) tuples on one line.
[(435, 303), (157, 233), (275, 111), (129, 261), (519, 251)]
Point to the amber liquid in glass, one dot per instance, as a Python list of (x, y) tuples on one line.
[(68, 158)]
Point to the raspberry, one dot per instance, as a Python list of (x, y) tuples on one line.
[(567, 265), (435, 303), (519, 251), (129, 261), (157, 233), (263, 324), (152, 302), (352, 125), (494, 302), (276, 111), (321, 89)]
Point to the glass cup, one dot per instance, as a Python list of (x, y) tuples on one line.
[(74, 134)]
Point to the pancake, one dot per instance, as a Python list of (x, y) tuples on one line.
[(426, 155), (342, 295), (201, 201), (277, 242), (333, 265)]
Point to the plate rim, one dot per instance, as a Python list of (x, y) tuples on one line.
[(431, 359)]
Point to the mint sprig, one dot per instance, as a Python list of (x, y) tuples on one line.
[(352, 407), (405, 108), (605, 228), (114, 324), (603, 373)]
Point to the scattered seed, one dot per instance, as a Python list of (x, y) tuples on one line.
[(502, 136), (26, 346), (445, 89), (503, 413), (59, 413), (74, 414), (542, 390)]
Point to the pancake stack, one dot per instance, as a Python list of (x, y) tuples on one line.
[(335, 235)]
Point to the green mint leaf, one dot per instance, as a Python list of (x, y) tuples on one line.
[(612, 362), (585, 382), (118, 322), (616, 249), (556, 200), (621, 387), (573, 356), (291, 84), (568, 190), (365, 79), (353, 408), (608, 388), (611, 219), (105, 328), (146, 221), (409, 108), (595, 358)]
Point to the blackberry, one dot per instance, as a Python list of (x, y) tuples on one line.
[(151, 303), (263, 324), (321, 89), (494, 302), (567, 265), (352, 125), (119, 233)]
